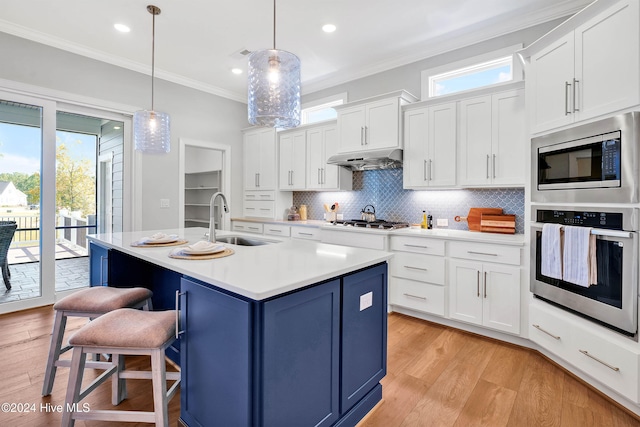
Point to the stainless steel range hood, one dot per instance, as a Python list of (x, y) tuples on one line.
[(368, 160)]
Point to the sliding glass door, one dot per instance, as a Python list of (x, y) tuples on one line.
[(61, 178), (27, 198)]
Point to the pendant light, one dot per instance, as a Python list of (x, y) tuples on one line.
[(274, 86), (151, 129)]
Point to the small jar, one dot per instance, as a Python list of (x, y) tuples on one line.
[(303, 212)]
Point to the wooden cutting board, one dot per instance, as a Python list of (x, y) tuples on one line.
[(475, 214), (498, 223)]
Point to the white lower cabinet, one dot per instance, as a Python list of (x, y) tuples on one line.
[(418, 274), (485, 294), (277, 230), (606, 356), (309, 233), (247, 227)]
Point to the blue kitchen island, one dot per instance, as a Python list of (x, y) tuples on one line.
[(291, 333)]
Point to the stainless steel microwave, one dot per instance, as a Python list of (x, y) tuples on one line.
[(593, 163)]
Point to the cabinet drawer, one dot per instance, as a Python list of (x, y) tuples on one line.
[(485, 252), (426, 268), (418, 245), (277, 230), (417, 296), (259, 209), (260, 195), (248, 227), (603, 359), (549, 331), (310, 233)]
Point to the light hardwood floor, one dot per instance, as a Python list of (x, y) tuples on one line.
[(437, 376)]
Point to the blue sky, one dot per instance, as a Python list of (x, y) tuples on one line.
[(20, 147)]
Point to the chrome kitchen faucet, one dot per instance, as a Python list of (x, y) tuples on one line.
[(212, 223)]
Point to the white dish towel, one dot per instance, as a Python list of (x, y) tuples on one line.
[(551, 251), (577, 256)]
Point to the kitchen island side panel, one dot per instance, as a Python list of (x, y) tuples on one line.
[(363, 356), (216, 357), (300, 358)]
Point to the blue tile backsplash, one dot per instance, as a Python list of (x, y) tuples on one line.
[(383, 189)]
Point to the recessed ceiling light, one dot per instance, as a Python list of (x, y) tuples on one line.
[(236, 70), (122, 28), (328, 28)]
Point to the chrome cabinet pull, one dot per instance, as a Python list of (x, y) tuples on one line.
[(493, 166), (416, 246), (575, 90), (430, 170), (478, 283), (485, 284), (178, 331), (265, 195), (543, 331), (324, 176), (275, 231), (415, 268), (319, 181), (586, 353), (487, 166), (567, 85), (366, 137), (361, 135), (253, 228), (305, 234), (424, 170), (102, 281), (481, 253), (415, 296)]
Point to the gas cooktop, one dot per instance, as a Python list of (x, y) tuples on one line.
[(379, 224)]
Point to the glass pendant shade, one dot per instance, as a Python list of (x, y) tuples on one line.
[(274, 89), (151, 132)]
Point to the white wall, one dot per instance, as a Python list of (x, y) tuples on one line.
[(194, 114)]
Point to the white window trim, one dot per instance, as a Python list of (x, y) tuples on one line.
[(320, 104), (517, 71)]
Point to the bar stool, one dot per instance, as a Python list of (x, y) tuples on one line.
[(123, 332), (91, 302)]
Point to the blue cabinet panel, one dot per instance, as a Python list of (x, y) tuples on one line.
[(98, 265), (216, 357), (364, 334), (300, 367)]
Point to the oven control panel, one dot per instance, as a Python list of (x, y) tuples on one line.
[(608, 220)]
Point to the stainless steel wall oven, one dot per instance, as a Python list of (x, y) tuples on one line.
[(613, 301), (593, 163)]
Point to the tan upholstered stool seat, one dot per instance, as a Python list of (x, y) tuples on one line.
[(91, 303), (121, 332), (102, 299), (128, 328)]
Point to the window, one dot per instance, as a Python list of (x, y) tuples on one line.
[(322, 109), (477, 72)]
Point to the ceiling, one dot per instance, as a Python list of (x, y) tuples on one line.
[(198, 41)]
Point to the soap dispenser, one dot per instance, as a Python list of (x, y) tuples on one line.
[(424, 223)]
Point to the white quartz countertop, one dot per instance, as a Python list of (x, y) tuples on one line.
[(256, 272)]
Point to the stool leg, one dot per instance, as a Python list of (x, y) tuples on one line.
[(59, 324), (73, 388), (159, 378), (118, 385)]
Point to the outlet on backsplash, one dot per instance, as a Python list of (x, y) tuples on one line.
[(442, 222)]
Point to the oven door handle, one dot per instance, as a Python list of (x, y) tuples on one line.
[(596, 231)]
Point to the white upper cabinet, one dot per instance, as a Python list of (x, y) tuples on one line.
[(259, 153), (585, 68), (430, 146), (292, 149), (372, 124), (322, 143), (493, 140)]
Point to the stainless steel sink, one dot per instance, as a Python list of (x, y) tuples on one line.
[(244, 241)]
